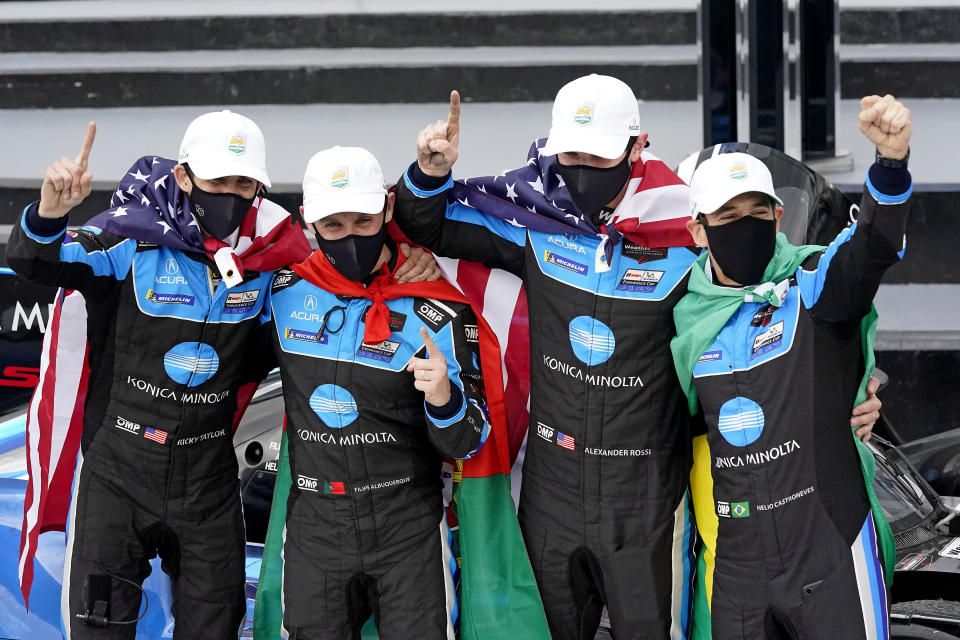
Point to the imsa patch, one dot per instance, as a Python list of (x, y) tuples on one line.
[(241, 301), (640, 280), (383, 352), (768, 340)]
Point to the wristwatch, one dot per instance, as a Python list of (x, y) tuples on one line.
[(890, 162)]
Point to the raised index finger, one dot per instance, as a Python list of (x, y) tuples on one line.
[(432, 349), (453, 118), (84, 155)]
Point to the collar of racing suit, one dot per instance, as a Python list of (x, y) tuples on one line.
[(317, 270)]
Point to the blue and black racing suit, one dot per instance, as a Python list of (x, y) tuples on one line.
[(603, 505), (796, 549), (366, 530), (167, 350)]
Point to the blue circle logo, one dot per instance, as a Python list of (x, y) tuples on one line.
[(333, 405), (191, 363), (741, 421), (592, 341)]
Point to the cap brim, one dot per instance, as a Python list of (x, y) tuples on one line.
[(330, 204), (567, 141), (717, 200), (213, 170)]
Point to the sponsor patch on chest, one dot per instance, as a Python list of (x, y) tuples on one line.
[(383, 352), (640, 280), (305, 336), (240, 301), (643, 254), (169, 298), (768, 340), (566, 263)]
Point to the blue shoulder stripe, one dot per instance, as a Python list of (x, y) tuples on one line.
[(462, 213), (811, 282)]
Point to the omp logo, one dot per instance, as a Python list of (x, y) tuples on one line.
[(307, 483), (723, 509), (127, 425), (334, 405), (592, 341), (432, 314), (741, 421), (545, 432), (310, 303), (191, 363)]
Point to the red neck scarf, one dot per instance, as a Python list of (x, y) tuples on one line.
[(317, 270)]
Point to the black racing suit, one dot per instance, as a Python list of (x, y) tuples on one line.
[(603, 505), (366, 530), (157, 472), (796, 553)]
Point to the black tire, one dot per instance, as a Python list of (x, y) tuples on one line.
[(918, 632)]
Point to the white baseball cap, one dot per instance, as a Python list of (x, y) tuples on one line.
[(223, 143), (342, 179), (727, 176), (593, 114)]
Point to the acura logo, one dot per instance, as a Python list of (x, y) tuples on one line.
[(172, 266), (310, 303)]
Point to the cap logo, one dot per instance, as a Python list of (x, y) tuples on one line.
[(237, 143), (738, 172), (583, 115), (633, 127), (184, 154), (339, 179)]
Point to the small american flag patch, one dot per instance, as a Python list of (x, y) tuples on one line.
[(155, 434), (565, 441)]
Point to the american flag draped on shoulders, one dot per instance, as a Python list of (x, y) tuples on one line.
[(653, 212), (149, 206)]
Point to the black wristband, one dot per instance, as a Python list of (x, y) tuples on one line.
[(890, 162)]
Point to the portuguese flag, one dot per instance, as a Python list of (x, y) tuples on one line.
[(497, 593)]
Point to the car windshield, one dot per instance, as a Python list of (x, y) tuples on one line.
[(901, 497)]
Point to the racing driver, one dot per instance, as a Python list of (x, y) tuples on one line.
[(774, 341), (381, 381)]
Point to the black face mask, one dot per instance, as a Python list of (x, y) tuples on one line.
[(219, 214), (591, 188), (354, 256), (743, 248)]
